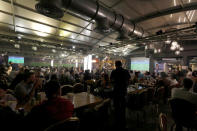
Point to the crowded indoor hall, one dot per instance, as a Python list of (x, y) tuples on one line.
[(98, 65)]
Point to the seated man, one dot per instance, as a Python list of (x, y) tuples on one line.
[(50, 111), (25, 90), (6, 98), (8, 118), (185, 93)]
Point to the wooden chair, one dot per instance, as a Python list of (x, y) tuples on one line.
[(89, 82), (66, 89), (70, 124), (102, 111), (158, 98), (136, 103), (77, 88)]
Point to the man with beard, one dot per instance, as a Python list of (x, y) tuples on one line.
[(25, 90)]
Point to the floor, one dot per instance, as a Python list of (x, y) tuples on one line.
[(151, 122)]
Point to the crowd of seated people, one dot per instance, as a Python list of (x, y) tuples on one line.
[(23, 85), (19, 88), (50, 111)]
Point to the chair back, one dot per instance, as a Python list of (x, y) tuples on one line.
[(161, 92), (143, 97), (89, 82), (103, 107), (71, 124), (137, 101), (77, 88), (102, 111), (66, 89), (182, 111), (150, 94)]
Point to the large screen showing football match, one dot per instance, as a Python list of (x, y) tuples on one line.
[(140, 64)]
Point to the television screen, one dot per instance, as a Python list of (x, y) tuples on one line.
[(16, 59), (140, 64)]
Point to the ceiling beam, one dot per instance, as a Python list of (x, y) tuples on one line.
[(167, 25), (32, 10), (13, 14), (47, 39), (168, 11), (186, 16)]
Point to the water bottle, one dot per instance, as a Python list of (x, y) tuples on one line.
[(88, 89)]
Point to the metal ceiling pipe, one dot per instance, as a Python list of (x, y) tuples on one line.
[(93, 10)]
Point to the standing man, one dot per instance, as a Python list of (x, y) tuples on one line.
[(120, 80)]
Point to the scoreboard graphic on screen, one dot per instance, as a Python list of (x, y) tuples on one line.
[(16, 59)]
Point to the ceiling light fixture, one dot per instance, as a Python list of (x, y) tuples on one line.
[(172, 48), (19, 37), (181, 48), (177, 52), (34, 48), (17, 46), (155, 51), (167, 41), (53, 50), (174, 43), (63, 55)]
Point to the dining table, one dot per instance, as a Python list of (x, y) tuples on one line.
[(83, 99), (79, 100)]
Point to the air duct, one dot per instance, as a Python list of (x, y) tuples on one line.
[(105, 18)]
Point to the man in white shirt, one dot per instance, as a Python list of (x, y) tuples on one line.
[(185, 93), (189, 73)]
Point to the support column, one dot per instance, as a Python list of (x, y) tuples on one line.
[(151, 64), (185, 61), (128, 63)]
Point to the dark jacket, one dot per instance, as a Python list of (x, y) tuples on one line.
[(120, 80)]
